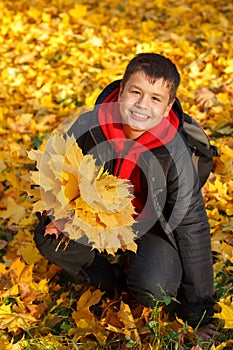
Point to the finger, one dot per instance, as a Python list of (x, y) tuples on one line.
[(204, 336), (207, 333), (212, 329), (211, 326)]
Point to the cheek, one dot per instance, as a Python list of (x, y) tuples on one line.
[(163, 111), (122, 109), (124, 105), (158, 113)]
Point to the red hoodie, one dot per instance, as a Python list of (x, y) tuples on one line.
[(128, 151)]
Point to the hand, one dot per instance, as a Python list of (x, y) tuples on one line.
[(55, 227), (207, 331)]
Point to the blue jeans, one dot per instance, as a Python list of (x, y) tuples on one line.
[(156, 264)]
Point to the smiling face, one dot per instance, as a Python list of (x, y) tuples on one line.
[(143, 104)]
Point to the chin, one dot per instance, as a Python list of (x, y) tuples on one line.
[(137, 127)]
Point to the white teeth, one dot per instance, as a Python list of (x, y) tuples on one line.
[(140, 115)]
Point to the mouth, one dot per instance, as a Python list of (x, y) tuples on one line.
[(139, 116)]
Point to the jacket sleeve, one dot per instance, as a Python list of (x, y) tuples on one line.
[(186, 215)]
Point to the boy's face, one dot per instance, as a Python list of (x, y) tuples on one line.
[(143, 105)]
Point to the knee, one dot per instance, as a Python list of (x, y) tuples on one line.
[(148, 289), (155, 271), (148, 294)]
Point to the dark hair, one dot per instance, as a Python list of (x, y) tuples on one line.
[(155, 67)]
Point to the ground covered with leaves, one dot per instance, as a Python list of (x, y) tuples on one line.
[(56, 56)]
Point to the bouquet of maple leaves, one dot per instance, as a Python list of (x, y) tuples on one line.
[(83, 199)]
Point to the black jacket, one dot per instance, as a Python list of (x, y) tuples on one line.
[(174, 197)]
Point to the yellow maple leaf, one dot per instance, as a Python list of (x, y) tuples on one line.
[(11, 292), (4, 344), (41, 286), (126, 317), (13, 321), (85, 320), (223, 345), (226, 313), (16, 270), (89, 298), (2, 268), (78, 11), (29, 252), (2, 165), (81, 195), (14, 211), (91, 98), (21, 276), (227, 251)]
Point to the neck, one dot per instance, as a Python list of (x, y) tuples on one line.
[(131, 133)]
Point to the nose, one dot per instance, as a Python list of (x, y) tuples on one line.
[(142, 101)]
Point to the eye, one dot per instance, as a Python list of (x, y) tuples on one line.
[(136, 92), (154, 98)]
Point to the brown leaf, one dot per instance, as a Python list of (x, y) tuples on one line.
[(229, 240), (126, 317), (3, 244), (205, 97)]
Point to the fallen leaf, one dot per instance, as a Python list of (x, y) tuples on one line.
[(14, 321), (205, 97), (85, 320), (226, 312), (126, 317), (14, 212)]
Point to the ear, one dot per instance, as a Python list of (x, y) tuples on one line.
[(120, 92), (169, 107)]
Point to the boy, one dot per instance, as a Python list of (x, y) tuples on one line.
[(135, 130)]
